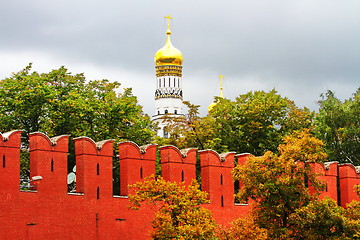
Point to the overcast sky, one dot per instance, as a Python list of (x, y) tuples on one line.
[(299, 47)]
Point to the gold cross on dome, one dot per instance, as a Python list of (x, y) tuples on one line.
[(168, 21)]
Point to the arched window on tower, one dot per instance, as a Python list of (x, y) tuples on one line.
[(175, 111), (166, 134), (166, 111)]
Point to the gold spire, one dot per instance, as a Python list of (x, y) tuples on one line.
[(221, 86), (212, 105), (168, 55)]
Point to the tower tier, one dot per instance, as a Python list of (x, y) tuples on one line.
[(168, 70)]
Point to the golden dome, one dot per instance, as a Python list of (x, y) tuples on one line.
[(168, 55), (211, 106)]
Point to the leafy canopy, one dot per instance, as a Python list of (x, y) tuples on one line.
[(338, 125), (59, 102), (179, 214), (255, 122), (324, 219), (278, 184), (243, 228)]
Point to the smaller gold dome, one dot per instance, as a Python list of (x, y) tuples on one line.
[(211, 106), (168, 55)]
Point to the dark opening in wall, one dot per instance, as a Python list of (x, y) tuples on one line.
[(3, 161), (182, 176), (52, 165), (236, 190), (222, 201), (98, 169), (71, 162), (141, 172), (98, 193), (116, 172)]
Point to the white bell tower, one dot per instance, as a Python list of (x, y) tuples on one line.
[(168, 93)]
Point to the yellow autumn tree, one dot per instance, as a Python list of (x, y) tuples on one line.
[(180, 214), (278, 184), (325, 220), (243, 228), (303, 147)]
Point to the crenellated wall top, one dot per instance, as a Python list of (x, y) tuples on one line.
[(212, 158), (173, 154), (11, 139), (348, 170), (131, 150), (87, 146), (40, 141)]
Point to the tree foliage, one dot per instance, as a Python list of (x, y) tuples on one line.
[(255, 122), (190, 130), (179, 214), (302, 147), (357, 189), (278, 184), (338, 125), (243, 228), (324, 219), (59, 103)]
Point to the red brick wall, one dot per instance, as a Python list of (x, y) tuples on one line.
[(50, 212)]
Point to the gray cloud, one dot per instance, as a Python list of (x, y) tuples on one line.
[(301, 48)]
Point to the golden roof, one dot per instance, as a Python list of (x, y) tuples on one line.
[(168, 55), (211, 106)]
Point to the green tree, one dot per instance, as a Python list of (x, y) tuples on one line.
[(278, 184), (180, 214), (338, 125), (59, 102), (190, 130), (255, 122)]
